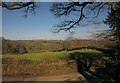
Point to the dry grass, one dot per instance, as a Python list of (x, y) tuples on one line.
[(47, 63)]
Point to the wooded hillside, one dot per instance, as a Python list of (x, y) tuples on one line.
[(34, 46)]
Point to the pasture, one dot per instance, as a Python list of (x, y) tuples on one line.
[(45, 63), (49, 55)]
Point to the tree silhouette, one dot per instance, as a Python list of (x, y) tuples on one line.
[(81, 13), (113, 20), (28, 6)]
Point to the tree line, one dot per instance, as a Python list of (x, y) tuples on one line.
[(34, 46)]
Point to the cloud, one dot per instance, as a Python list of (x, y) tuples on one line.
[(95, 30)]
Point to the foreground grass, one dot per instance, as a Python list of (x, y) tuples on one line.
[(49, 55), (41, 63)]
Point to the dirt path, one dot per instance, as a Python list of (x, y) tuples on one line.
[(65, 77)]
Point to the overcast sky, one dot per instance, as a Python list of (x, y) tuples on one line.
[(38, 26)]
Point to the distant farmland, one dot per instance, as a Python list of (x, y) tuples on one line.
[(37, 46)]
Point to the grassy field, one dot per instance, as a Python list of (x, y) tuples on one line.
[(49, 55), (51, 63)]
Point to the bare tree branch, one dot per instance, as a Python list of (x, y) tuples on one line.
[(28, 6), (65, 9), (16, 5)]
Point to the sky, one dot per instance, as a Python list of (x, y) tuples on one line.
[(0, 22), (39, 26)]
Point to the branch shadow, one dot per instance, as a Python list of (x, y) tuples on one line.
[(91, 66)]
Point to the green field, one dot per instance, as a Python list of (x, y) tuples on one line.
[(44, 63), (49, 55)]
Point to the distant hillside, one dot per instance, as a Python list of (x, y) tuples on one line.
[(0, 45), (30, 46)]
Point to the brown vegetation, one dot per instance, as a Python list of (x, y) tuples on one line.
[(36, 46)]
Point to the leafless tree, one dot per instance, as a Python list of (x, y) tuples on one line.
[(28, 6), (84, 13)]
